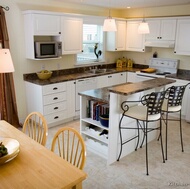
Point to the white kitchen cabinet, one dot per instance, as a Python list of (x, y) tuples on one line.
[(71, 35), (182, 44), (111, 79), (131, 77), (54, 101), (161, 29), (40, 26), (115, 41), (134, 40), (46, 24)]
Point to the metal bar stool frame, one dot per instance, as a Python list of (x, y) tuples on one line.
[(152, 103), (173, 104)]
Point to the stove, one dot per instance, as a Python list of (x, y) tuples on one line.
[(163, 67)]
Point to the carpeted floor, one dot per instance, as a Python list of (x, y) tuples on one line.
[(130, 172)]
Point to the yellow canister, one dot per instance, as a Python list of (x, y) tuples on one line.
[(124, 62), (130, 63), (119, 63)]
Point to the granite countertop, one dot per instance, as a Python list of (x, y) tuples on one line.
[(181, 74), (126, 89), (72, 74), (82, 72)]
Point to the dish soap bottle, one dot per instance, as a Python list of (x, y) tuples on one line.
[(130, 63)]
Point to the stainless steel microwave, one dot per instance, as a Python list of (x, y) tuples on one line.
[(50, 49)]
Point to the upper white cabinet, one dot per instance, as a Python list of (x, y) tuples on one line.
[(134, 41), (182, 44), (45, 24), (50, 26), (161, 29), (115, 41), (71, 35)]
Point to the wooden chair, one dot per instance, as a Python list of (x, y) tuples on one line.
[(69, 145), (35, 126)]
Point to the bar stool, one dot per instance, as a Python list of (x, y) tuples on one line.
[(148, 110), (173, 104)]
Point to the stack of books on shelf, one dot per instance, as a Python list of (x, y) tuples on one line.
[(96, 108)]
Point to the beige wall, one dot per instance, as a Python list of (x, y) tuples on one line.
[(22, 65)]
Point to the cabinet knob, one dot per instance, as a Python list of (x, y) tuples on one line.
[(55, 98), (116, 49), (59, 32), (56, 117), (158, 38), (174, 51), (55, 88), (56, 108), (143, 50), (82, 51)]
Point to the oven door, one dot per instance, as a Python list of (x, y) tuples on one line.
[(144, 76)]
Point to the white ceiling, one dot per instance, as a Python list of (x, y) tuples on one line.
[(123, 4)]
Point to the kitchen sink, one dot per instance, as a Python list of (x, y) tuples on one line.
[(97, 71)]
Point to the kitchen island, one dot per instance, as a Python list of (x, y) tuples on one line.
[(108, 145)]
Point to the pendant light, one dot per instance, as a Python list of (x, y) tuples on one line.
[(143, 27), (109, 24)]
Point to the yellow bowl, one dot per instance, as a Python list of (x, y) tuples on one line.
[(43, 76)]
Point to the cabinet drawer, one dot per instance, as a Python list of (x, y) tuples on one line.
[(55, 117), (54, 88), (53, 108), (54, 98)]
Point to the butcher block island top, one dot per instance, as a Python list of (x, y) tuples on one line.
[(126, 89)]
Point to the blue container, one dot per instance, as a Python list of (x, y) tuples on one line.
[(104, 120)]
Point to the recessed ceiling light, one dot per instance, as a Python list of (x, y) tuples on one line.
[(128, 7)]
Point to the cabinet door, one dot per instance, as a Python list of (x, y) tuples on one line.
[(115, 41), (161, 29), (131, 77), (182, 44), (154, 27), (102, 81), (120, 35), (45, 24), (71, 31), (168, 29), (135, 41)]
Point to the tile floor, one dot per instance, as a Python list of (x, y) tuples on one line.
[(130, 173)]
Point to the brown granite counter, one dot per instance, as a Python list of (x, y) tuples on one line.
[(183, 76), (126, 89), (72, 74)]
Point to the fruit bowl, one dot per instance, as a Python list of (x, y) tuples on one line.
[(104, 120), (44, 74)]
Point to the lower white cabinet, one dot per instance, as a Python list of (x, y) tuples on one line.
[(131, 77), (111, 79), (55, 101)]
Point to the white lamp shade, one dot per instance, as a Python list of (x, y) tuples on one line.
[(143, 28), (6, 63), (109, 25)]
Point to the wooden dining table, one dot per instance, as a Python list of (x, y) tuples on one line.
[(36, 167)]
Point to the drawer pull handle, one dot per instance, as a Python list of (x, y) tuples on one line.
[(55, 88), (56, 117), (56, 108), (55, 98)]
